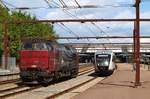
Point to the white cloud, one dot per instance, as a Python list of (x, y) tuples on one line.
[(145, 40), (27, 3), (145, 14)]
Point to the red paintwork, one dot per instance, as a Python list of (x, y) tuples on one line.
[(43, 59)]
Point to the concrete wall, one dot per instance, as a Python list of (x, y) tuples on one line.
[(11, 63)]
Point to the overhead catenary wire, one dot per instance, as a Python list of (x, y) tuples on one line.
[(77, 3), (68, 7), (48, 3), (4, 4), (95, 25), (62, 3), (69, 30), (76, 17), (101, 31), (65, 25), (88, 27), (65, 6)]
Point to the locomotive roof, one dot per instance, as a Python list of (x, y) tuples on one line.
[(36, 40)]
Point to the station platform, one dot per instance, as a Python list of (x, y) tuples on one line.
[(5, 71), (120, 85)]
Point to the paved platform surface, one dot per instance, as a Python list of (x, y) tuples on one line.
[(5, 72), (119, 86)]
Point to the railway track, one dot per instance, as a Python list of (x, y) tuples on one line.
[(9, 78), (16, 90), (69, 89), (16, 80), (10, 81), (19, 80), (22, 89), (73, 88)]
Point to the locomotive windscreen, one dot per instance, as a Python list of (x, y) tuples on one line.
[(103, 59), (34, 46)]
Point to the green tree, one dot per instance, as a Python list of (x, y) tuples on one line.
[(23, 30), (4, 15)]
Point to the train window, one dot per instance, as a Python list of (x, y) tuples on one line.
[(50, 47), (40, 46), (67, 48), (103, 59), (27, 46), (114, 58)]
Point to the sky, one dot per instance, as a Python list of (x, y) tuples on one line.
[(107, 9)]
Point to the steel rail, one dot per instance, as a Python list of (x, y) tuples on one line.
[(12, 74), (18, 92), (70, 89), (31, 88), (10, 81)]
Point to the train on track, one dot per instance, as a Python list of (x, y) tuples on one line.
[(43, 61), (104, 62)]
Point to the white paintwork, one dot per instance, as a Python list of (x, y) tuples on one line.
[(112, 63)]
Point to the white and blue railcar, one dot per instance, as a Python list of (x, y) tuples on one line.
[(104, 61)]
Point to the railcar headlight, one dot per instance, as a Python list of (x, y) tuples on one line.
[(106, 63)]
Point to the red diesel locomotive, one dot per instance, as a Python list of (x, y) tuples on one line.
[(43, 60)]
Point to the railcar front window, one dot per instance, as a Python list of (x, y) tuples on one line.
[(103, 60)]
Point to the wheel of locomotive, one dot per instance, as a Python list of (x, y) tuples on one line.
[(74, 73), (56, 76), (45, 81), (23, 79)]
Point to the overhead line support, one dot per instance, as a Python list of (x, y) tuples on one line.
[(80, 20), (137, 44)]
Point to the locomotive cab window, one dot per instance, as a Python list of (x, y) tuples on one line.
[(49, 46), (34, 46), (27, 46), (39, 46)]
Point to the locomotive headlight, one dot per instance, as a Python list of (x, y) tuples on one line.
[(62, 61), (34, 66)]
